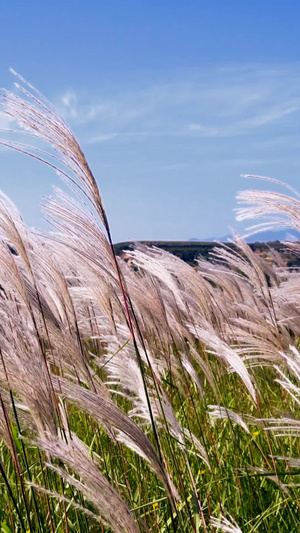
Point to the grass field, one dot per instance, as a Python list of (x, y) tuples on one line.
[(147, 395)]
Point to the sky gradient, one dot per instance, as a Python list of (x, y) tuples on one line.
[(170, 101)]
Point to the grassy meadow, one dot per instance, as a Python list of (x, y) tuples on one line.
[(149, 395)]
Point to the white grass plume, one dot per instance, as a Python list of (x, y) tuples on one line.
[(221, 350), (223, 524), (94, 485), (116, 423), (218, 412)]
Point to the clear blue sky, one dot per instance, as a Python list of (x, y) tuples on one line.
[(170, 100)]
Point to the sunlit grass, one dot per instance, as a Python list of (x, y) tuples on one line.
[(148, 396)]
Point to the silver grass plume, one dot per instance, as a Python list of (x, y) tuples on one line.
[(224, 524), (280, 210), (60, 498), (93, 485), (38, 118), (116, 423), (224, 352), (218, 412)]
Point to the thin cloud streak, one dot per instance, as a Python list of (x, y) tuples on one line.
[(164, 146), (215, 103)]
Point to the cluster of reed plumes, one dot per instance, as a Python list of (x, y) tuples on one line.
[(143, 397)]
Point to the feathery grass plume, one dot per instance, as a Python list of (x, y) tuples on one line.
[(230, 285), (293, 361), (123, 371), (156, 315), (40, 119), (151, 260), (284, 427), (5, 430), (223, 524), (286, 302), (249, 296), (114, 421), (60, 498), (205, 368), (94, 486), (78, 230), (294, 462), (187, 365), (244, 261), (200, 451), (24, 373), (270, 476), (224, 352), (249, 320), (22, 366), (218, 412), (190, 291), (267, 204)]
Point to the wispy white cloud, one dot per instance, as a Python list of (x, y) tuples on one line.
[(224, 102), (165, 144), (80, 111), (273, 115), (101, 138), (205, 131), (69, 104)]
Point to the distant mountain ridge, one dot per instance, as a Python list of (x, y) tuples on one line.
[(264, 236)]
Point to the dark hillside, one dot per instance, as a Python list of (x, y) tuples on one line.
[(189, 251)]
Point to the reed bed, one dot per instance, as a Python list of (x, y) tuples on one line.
[(148, 396)]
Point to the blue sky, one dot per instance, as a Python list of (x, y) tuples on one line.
[(170, 100)]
